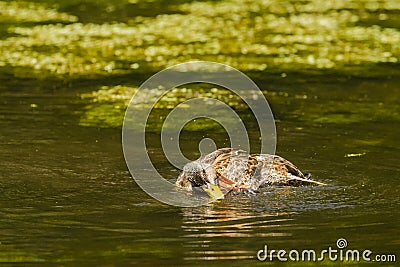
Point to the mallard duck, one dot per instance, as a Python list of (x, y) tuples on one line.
[(228, 170)]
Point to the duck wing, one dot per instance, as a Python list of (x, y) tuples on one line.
[(297, 178), (279, 171), (231, 167), (238, 169)]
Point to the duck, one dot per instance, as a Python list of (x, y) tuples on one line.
[(228, 171)]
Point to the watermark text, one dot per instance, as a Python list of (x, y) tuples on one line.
[(338, 253)]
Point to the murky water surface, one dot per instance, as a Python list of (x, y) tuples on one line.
[(67, 198)]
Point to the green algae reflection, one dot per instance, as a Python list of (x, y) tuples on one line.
[(53, 39), (109, 105), (249, 35)]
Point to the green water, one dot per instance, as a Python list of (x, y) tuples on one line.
[(67, 198)]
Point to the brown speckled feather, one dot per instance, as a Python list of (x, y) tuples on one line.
[(237, 167), (233, 169)]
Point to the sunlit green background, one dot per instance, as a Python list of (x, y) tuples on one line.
[(329, 69), (68, 40)]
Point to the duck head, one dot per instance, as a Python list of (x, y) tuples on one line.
[(195, 174)]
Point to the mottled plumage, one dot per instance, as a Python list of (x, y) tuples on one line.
[(232, 169)]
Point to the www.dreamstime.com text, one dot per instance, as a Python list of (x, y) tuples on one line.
[(339, 253)]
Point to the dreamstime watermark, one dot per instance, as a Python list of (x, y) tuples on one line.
[(338, 253), (152, 90)]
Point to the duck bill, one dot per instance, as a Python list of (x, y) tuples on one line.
[(213, 191)]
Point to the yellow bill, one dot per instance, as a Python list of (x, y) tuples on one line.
[(213, 191)]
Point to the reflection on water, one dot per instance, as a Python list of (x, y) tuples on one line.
[(212, 232), (328, 68), (67, 198), (217, 231), (285, 218)]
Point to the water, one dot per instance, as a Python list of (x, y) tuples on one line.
[(66, 196), (68, 199)]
